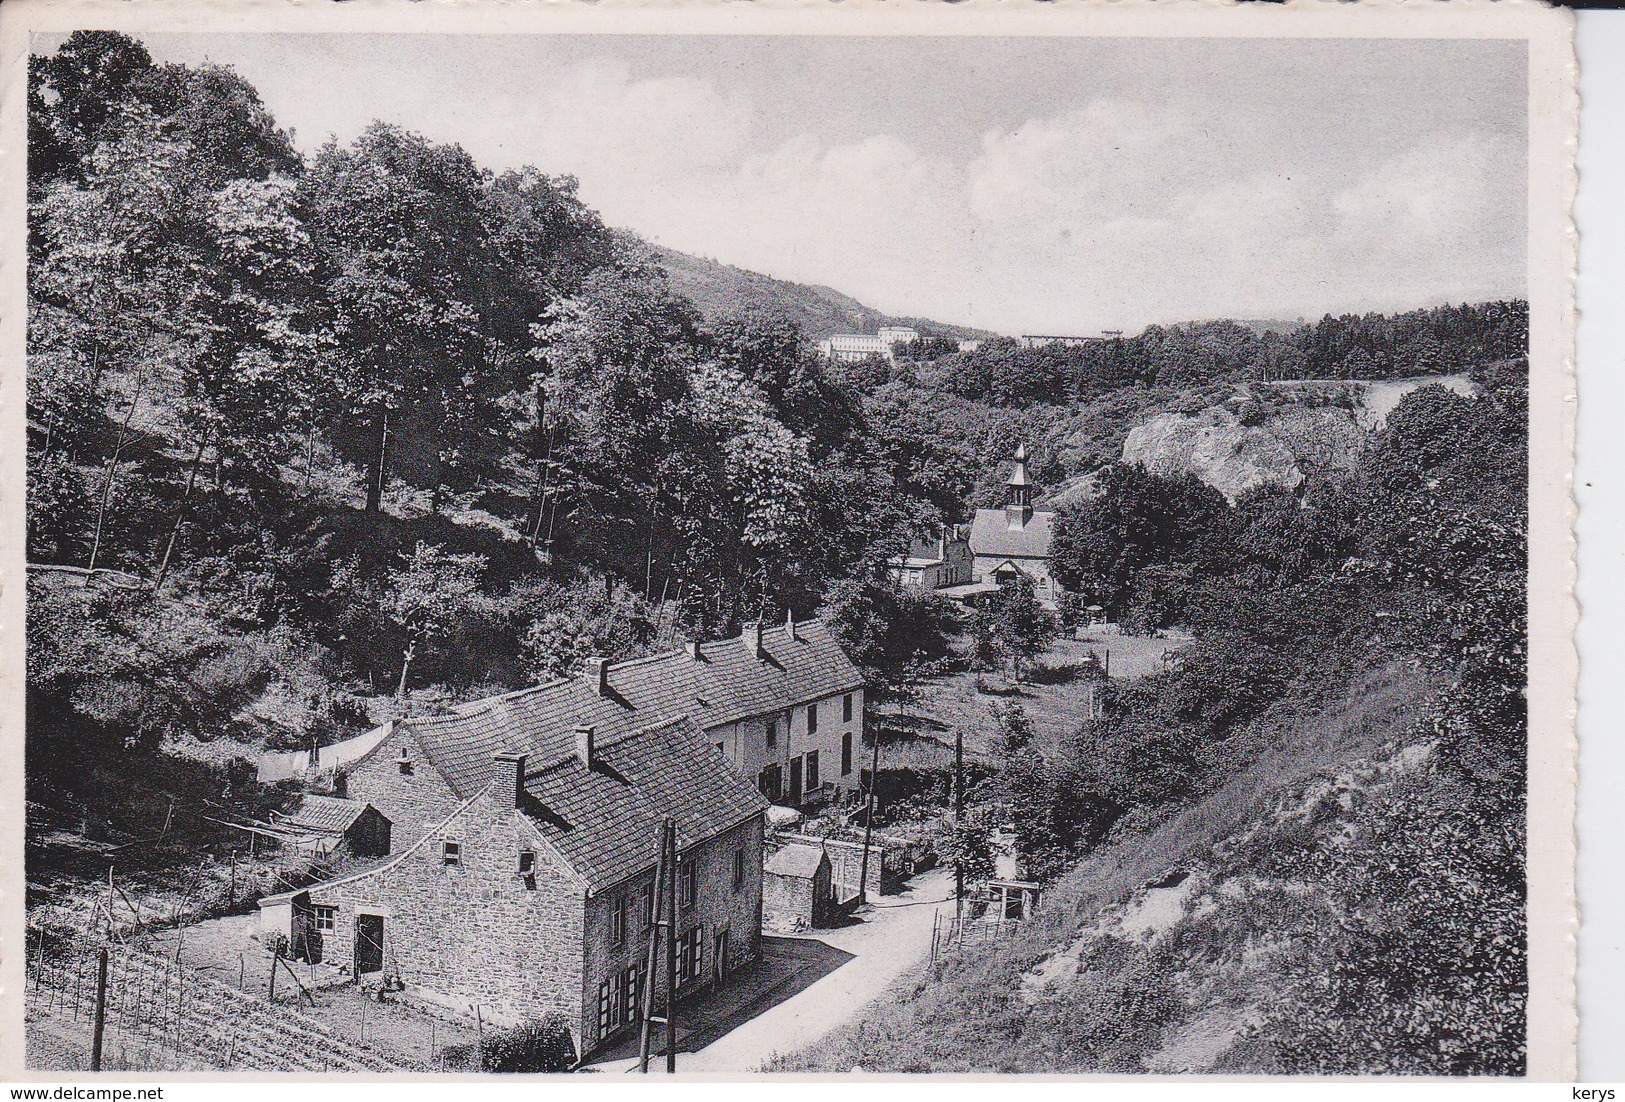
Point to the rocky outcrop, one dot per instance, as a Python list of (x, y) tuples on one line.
[(1215, 446)]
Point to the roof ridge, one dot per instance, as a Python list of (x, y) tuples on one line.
[(626, 736), (468, 707)]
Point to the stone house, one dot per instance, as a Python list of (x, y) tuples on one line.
[(530, 895), (783, 706), (797, 889), (1015, 539), (936, 563)]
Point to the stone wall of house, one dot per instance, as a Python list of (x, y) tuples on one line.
[(477, 931), (413, 801), (789, 903), (718, 905)]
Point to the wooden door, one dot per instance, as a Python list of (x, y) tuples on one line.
[(369, 943), (719, 959)]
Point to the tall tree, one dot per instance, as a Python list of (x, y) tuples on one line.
[(407, 274)]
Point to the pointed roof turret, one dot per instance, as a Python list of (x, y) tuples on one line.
[(1018, 477)]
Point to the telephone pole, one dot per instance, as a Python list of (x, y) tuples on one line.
[(959, 815), (662, 897), (869, 822)]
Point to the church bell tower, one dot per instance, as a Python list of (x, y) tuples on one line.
[(1018, 510)]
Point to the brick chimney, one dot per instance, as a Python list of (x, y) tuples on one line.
[(584, 743), (598, 675), (790, 623), (753, 636), (510, 779)]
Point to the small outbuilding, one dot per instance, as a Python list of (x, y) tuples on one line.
[(332, 827), (797, 891)]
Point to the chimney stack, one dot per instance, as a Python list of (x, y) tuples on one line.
[(694, 649), (510, 779), (753, 635), (584, 743), (598, 675), (790, 623)]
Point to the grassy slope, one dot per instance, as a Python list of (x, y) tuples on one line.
[(1024, 1005)]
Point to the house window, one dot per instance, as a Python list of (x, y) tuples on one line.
[(739, 868), (527, 862), (846, 708), (812, 719), (404, 764), (812, 770), (617, 920), (451, 853), (768, 782), (691, 955), (772, 733), (846, 753), (324, 920), (606, 1006), (688, 880)]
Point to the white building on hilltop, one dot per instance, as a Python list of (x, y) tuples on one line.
[(852, 347)]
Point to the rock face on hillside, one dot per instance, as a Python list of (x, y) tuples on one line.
[(1233, 458)]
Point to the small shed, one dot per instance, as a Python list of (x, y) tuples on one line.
[(797, 891), (339, 827)]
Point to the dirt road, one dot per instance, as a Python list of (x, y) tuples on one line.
[(893, 936)]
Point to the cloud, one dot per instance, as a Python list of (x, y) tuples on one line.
[(1084, 185), (1110, 214), (628, 139)]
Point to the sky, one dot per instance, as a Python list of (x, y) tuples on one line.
[(1022, 185)]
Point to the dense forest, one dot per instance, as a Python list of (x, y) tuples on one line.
[(376, 421), (1440, 341)]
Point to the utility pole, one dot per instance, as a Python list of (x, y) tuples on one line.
[(869, 822), (101, 1013), (959, 815), (671, 945), (662, 898)]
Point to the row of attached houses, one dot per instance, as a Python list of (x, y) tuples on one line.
[(525, 826)]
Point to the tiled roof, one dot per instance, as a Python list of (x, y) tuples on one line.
[(325, 814), (729, 682), (796, 860), (990, 534), (604, 819)]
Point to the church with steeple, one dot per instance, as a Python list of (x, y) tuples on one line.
[(1016, 538)]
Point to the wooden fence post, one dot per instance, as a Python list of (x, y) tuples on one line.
[(101, 1013), (270, 994)]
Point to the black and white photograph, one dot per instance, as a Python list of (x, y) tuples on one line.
[(790, 542)]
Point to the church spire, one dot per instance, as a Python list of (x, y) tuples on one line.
[(1018, 509)]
